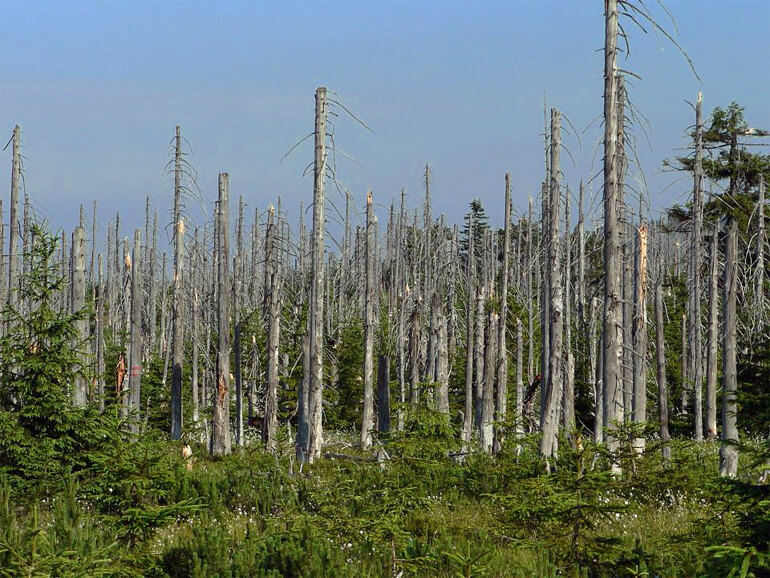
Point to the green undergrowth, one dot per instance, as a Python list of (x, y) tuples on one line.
[(426, 508)]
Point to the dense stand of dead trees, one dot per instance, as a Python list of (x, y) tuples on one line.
[(444, 298)]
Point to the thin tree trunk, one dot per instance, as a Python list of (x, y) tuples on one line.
[(711, 360), (78, 301), (316, 313), (220, 430), (486, 433), (270, 424), (502, 362), (469, 317), (367, 420), (195, 330), (728, 453), (640, 336), (13, 235), (660, 346), (519, 378), (135, 348), (176, 311), (695, 255), (100, 337), (553, 386)]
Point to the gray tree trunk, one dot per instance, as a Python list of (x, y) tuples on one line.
[(135, 346), (639, 415), (367, 421), (553, 385), (176, 308), (660, 347), (486, 433), (316, 312), (78, 302), (13, 234), (502, 363), (695, 256), (100, 337), (272, 314), (220, 427), (470, 291), (728, 453), (713, 328), (611, 328)]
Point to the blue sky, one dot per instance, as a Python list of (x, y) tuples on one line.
[(98, 87)]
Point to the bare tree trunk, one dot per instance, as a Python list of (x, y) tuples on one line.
[(135, 348), (711, 360), (316, 313), (100, 337), (195, 330), (442, 366), (414, 352), (502, 362), (568, 400), (519, 378), (78, 302), (695, 255), (383, 394), (530, 304), (469, 316), (759, 291), (728, 453), (612, 304), (220, 430), (13, 235), (660, 346), (367, 421), (176, 312), (596, 371), (553, 385), (272, 314), (486, 434), (640, 336)]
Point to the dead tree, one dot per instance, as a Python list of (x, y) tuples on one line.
[(273, 320), (78, 302), (13, 235), (220, 427), (367, 421), (469, 317), (713, 329), (502, 362), (728, 453), (660, 349), (612, 318), (695, 256), (316, 312), (135, 342), (553, 385), (176, 307), (639, 415)]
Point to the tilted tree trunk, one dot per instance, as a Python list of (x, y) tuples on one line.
[(78, 302), (176, 308), (316, 312), (502, 362), (611, 327), (135, 344), (712, 345), (220, 428), (553, 385), (728, 453), (367, 420)]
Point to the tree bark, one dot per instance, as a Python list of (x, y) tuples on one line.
[(367, 418), (660, 347), (502, 363), (135, 348), (639, 415), (695, 255), (176, 308), (316, 313), (711, 359), (13, 234), (728, 453), (220, 430)]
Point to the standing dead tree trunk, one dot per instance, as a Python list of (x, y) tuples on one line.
[(713, 328), (367, 422), (469, 317), (660, 347), (728, 453), (77, 303), (553, 385), (272, 314), (487, 394), (695, 256), (100, 336), (135, 345), (176, 307), (220, 430), (611, 329), (502, 361), (13, 234), (316, 313), (639, 415)]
